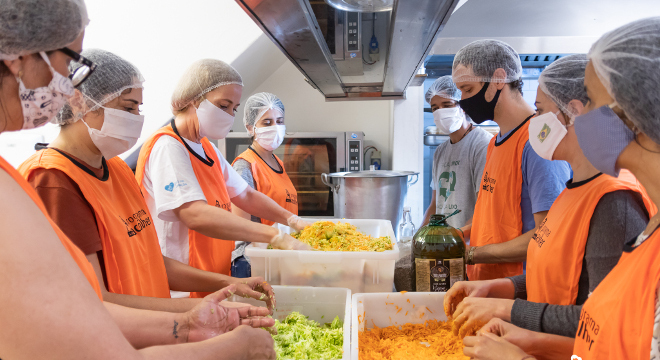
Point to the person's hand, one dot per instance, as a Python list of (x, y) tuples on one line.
[(284, 241), (523, 338), (257, 343), (297, 223), (461, 290), (474, 312), (256, 288), (212, 317), (487, 346)]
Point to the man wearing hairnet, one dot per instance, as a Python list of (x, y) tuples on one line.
[(457, 163), (518, 187)]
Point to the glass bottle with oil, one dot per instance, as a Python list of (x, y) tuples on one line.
[(438, 256)]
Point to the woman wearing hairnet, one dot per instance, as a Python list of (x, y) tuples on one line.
[(581, 238), (458, 164), (49, 309), (92, 195), (260, 168), (190, 187), (619, 129)]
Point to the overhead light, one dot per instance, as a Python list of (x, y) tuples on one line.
[(362, 5)]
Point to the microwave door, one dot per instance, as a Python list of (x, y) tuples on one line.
[(305, 160)]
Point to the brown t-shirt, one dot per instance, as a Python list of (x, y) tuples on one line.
[(75, 218)]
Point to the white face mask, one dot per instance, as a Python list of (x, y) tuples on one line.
[(42, 104), (545, 134), (120, 131), (448, 120), (270, 137), (214, 123)]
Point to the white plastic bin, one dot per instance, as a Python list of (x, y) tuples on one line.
[(319, 304), (362, 272), (381, 310)]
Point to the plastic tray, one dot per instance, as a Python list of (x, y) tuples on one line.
[(362, 272), (381, 309), (319, 304)]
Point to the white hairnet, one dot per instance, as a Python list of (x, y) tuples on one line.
[(563, 81), (31, 26), (200, 78), (627, 62), (481, 58), (257, 105), (112, 76), (445, 87)]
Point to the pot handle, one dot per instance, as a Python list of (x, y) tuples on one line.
[(324, 179), (410, 182)]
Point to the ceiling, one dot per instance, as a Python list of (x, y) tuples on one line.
[(539, 26)]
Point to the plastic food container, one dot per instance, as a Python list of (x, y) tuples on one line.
[(362, 272), (381, 310), (319, 304)]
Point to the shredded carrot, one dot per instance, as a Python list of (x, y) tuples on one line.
[(432, 340), (406, 313), (421, 316), (427, 308), (403, 292), (413, 306), (408, 300), (398, 311)]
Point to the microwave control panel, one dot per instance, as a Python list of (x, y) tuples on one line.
[(354, 151)]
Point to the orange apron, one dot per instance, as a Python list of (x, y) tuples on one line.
[(133, 262), (204, 252), (497, 215), (555, 253), (616, 322), (276, 186), (76, 254)]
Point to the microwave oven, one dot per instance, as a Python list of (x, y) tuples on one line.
[(307, 155)]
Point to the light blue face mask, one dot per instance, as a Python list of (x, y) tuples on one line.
[(602, 136)]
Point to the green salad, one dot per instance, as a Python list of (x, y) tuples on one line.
[(300, 338)]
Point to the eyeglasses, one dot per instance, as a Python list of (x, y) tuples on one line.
[(87, 67)]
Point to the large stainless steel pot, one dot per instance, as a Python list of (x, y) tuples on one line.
[(373, 194)]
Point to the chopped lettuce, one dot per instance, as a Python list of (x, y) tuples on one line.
[(300, 338)]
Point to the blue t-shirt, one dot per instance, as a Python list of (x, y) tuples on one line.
[(543, 181)]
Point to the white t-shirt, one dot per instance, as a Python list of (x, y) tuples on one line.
[(169, 181)]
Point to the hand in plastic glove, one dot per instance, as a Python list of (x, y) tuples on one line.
[(284, 241), (257, 343), (543, 346), (256, 288), (520, 337), (474, 312), (489, 346), (212, 317), (297, 223), (461, 290)]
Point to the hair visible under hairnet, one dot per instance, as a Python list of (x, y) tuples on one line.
[(443, 86), (627, 62), (257, 105), (112, 76), (31, 26), (482, 57), (563, 81), (200, 78)]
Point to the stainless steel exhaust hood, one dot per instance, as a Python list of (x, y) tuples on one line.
[(353, 55)]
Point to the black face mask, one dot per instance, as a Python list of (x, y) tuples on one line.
[(478, 108)]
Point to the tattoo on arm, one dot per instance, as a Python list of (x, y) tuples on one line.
[(174, 332)]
